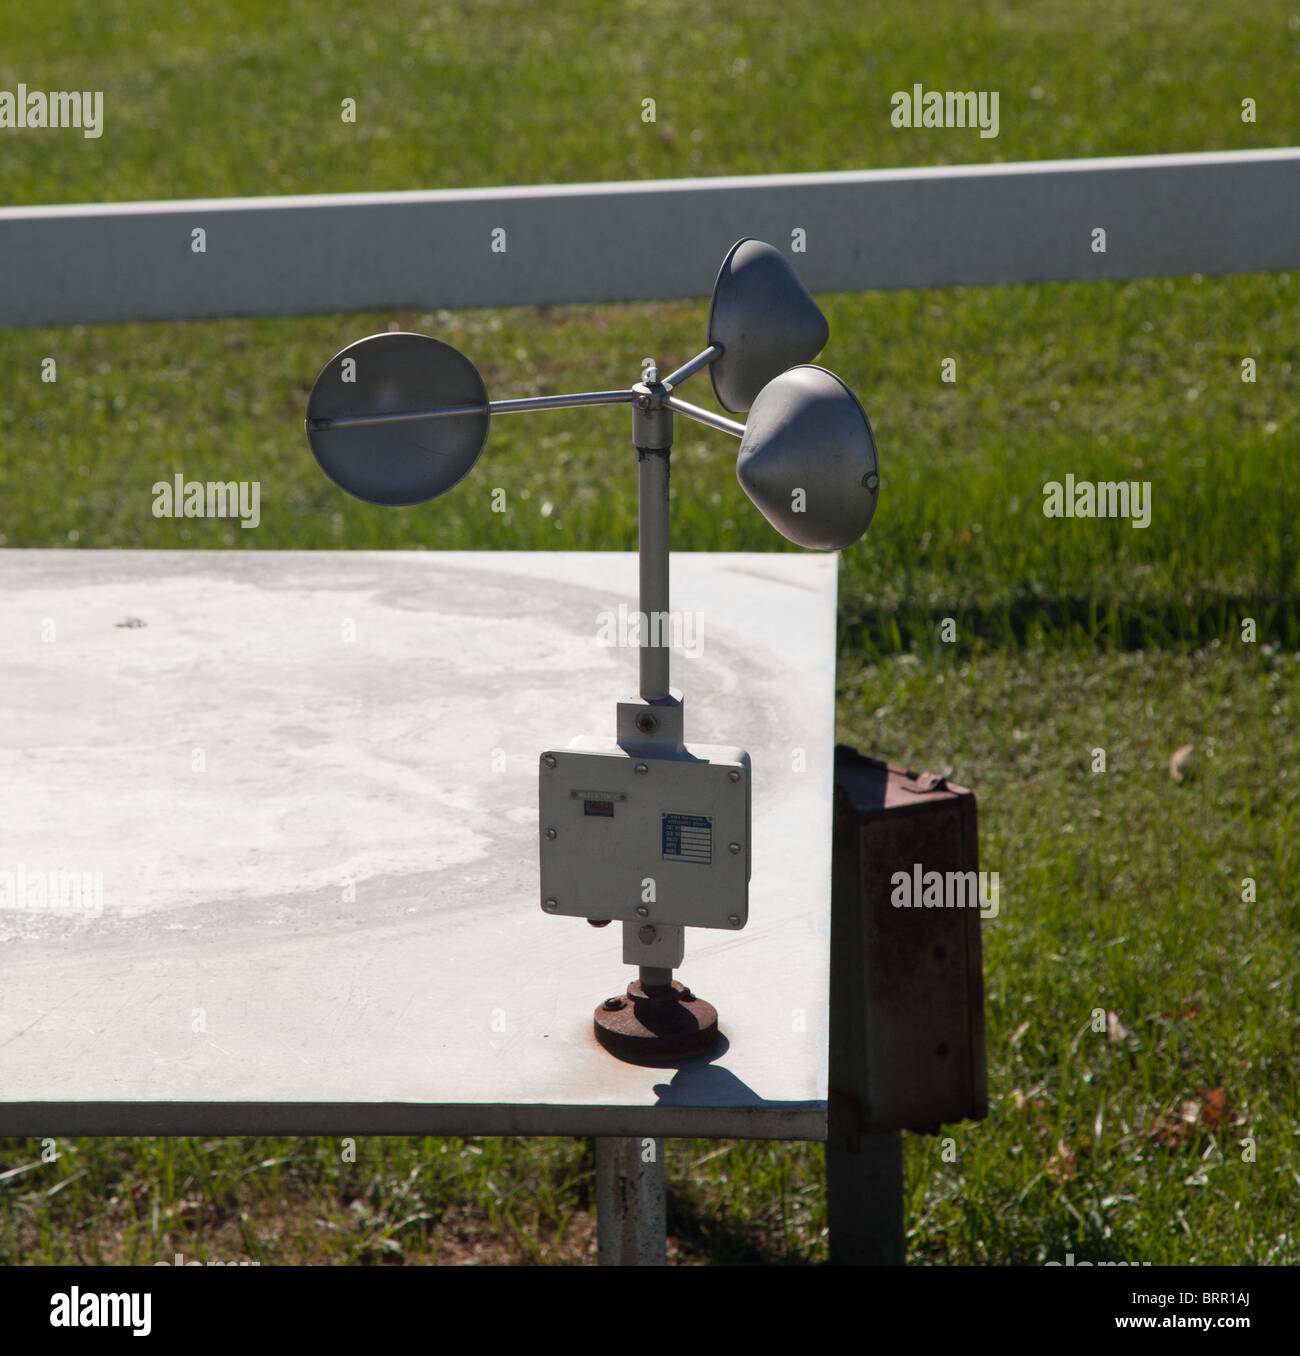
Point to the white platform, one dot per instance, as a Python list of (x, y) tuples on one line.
[(333, 926)]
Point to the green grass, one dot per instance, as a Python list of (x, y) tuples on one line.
[(1121, 890), (245, 98), (1107, 381)]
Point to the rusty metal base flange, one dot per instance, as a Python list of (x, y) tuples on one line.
[(656, 1025)]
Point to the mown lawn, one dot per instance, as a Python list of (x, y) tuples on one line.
[(1121, 891)]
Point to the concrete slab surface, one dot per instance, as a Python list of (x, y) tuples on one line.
[(299, 792)]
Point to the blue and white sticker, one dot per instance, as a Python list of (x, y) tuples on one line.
[(688, 838)]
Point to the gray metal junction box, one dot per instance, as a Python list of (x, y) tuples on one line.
[(658, 837)]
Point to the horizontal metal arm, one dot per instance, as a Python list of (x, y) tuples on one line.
[(522, 406), (559, 402), (691, 368), (400, 417), (718, 421)]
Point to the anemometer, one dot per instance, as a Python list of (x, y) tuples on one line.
[(640, 828)]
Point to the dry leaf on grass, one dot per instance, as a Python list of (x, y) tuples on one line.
[(1179, 762), (1193, 1118), (1214, 1106), (1062, 1163), (1035, 1104)]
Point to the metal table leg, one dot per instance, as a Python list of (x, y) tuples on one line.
[(631, 1211)]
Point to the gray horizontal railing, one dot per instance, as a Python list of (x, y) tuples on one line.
[(1229, 212)]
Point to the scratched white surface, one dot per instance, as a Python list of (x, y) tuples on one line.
[(340, 904)]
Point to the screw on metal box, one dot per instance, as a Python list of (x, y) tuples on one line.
[(398, 419)]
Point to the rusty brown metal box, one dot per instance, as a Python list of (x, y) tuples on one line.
[(907, 991)]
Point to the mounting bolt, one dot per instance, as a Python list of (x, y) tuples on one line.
[(549, 760), (733, 919), (640, 769), (733, 775), (646, 723), (647, 933), (613, 1004), (642, 911), (550, 833), (733, 848), (871, 480), (550, 905)]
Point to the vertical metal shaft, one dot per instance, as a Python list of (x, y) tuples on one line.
[(652, 539), (654, 977), (652, 434)]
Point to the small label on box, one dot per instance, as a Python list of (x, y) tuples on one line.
[(688, 838)]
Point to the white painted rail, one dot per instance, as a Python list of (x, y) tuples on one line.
[(1229, 212)]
